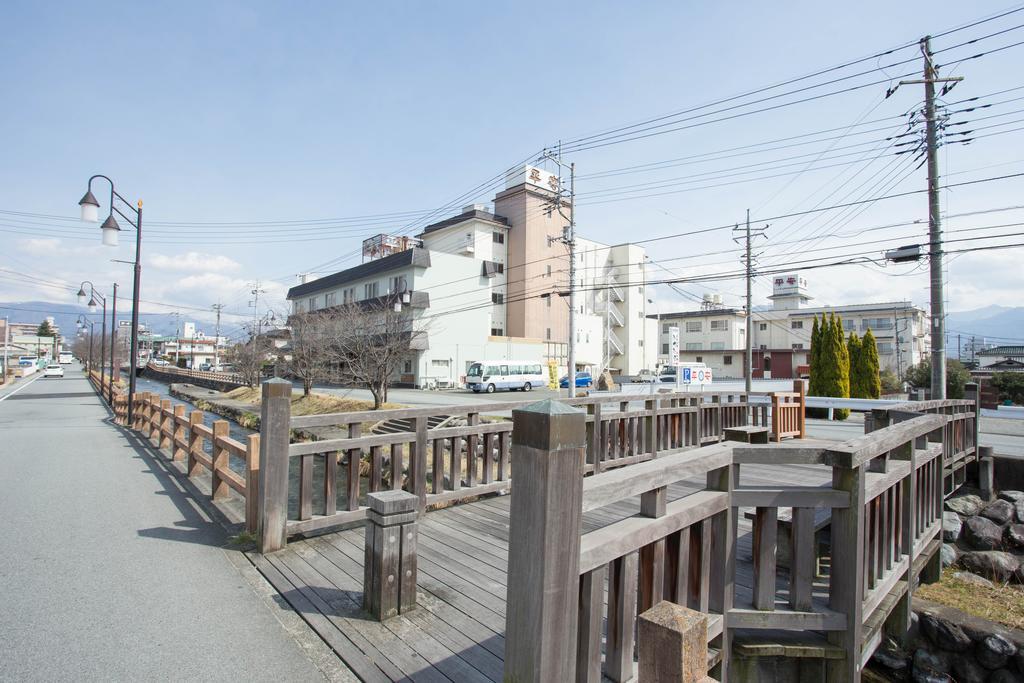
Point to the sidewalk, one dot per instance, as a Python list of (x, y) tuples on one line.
[(112, 571)]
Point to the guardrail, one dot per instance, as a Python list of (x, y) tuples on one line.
[(186, 439), (222, 377), (457, 462), (115, 397)]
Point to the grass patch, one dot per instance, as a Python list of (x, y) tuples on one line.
[(1003, 603), (314, 404)]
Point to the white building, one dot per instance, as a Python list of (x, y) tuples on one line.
[(782, 333)]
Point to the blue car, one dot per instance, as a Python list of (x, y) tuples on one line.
[(583, 379)]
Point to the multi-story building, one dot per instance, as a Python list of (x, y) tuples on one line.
[(493, 284), (781, 340)]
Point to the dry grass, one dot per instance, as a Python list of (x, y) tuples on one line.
[(1003, 604), (314, 404)]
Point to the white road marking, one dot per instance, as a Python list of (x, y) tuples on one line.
[(8, 395)]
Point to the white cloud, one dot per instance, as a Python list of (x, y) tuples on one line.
[(194, 261), (40, 246)]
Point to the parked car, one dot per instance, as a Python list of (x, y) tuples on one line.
[(53, 370), (159, 362), (205, 367), (646, 377), (583, 379)]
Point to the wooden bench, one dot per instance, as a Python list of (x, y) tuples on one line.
[(747, 434), (822, 522)]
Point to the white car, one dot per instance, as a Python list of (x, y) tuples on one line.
[(53, 370)]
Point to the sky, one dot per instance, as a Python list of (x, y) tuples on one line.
[(268, 139)]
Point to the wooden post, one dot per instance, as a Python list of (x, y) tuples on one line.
[(722, 568), (673, 644), (986, 472), (548, 450), (847, 582), (220, 460), (195, 443), (389, 567), (252, 482), (178, 434), (275, 428), (798, 387), (419, 461)]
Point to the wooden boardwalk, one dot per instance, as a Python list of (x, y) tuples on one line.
[(457, 632)]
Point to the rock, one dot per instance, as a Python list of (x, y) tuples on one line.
[(946, 635), (895, 663), (1014, 535), (967, 505), (1019, 660), (930, 661), (929, 677), (1004, 676), (973, 579), (1019, 505), (994, 651), (999, 511), (982, 533), (1012, 496), (951, 526), (966, 670), (949, 555), (990, 564)]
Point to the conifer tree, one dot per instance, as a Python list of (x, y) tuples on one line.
[(868, 367), (854, 348), (842, 371), (814, 384)]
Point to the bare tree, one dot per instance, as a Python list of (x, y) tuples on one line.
[(249, 357), (310, 352), (368, 342)]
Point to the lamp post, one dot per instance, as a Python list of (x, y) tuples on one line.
[(110, 228), (81, 323), (114, 374), (92, 309)]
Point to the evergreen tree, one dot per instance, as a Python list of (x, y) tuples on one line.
[(855, 349), (842, 356), (44, 329), (814, 360), (869, 376)]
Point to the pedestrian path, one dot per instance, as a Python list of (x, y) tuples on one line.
[(111, 571)]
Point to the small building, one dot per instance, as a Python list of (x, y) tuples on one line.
[(1001, 359)]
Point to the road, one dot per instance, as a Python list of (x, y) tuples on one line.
[(111, 571)]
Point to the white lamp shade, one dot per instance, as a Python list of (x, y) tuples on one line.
[(110, 237), (90, 213), (81, 297), (92, 306)]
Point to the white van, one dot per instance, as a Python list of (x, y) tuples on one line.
[(491, 375)]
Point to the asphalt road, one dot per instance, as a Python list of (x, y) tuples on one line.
[(110, 570)]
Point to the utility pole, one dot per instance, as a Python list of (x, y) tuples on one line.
[(938, 314), (7, 343), (748, 259), (216, 338), (256, 291), (177, 337), (974, 348), (568, 238)]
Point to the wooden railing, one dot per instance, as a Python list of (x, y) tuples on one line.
[(120, 398), (450, 463), (225, 377), (788, 415), (186, 439), (883, 506)]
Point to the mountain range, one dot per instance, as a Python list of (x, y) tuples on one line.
[(1002, 325), (66, 316)]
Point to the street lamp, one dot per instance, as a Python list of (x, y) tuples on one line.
[(103, 328), (111, 232), (81, 324)]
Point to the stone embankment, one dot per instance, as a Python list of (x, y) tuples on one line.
[(986, 539)]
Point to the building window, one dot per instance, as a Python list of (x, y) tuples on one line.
[(694, 326), (798, 347), (497, 332), (371, 290), (717, 346), (440, 363), (640, 343), (796, 324), (719, 325), (665, 327), (348, 295), (501, 267), (876, 324), (849, 325), (549, 271), (664, 349), (397, 284), (763, 347), (330, 299), (699, 359), (885, 348), (726, 360), (693, 346), (547, 335), (762, 326), (498, 237), (549, 297), (407, 368), (497, 298), (312, 304)]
